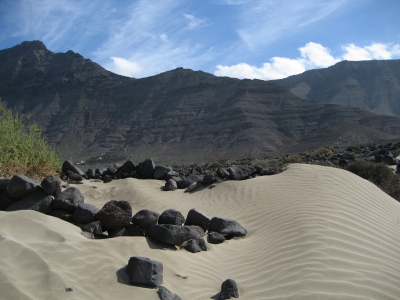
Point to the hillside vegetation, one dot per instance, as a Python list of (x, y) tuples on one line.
[(23, 149)]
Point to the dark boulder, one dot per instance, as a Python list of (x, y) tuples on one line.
[(170, 185), (51, 185), (223, 173), (69, 166), (74, 176), (128, 167), (85, 213), (171, 216), (90, 174), (4, 182), (69, 199), (160, 172), (93, 227), (111, 170), (174, 234), (145, 218), (229, 289), (146, 169), (241, 172), (39, 201), (130, 230), (62, 214), (144, 271), (195, 217), (184, 182), (171, 174), (115, 214), (270, 171), (166, 294), (227, 227), (209, 179), (195, 245), (215, 238), (6, 200), (21, 186)]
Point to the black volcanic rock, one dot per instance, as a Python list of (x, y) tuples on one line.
[(21, 186), (39, 201)]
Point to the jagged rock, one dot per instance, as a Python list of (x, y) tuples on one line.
[(145, 218), (171, 174), (160, 172), (90, 174), (69, 166), (195, 217), (215, 238), (85, 213), (93, 227), (144, 271), (51, 185), (39, 201), (241, 172), (74, 176), (195, 245), (62, 214), (69, 199), (115, 214), (183, 183), (127, 167), (166, 294), (194, 187), (174, 234), (170, 185), (227, 226), (171, 216), (21, 186), (223, 173), (146, 169), (229, 289), (209, 179)]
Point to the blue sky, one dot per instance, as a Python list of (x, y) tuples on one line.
[(265, 39)]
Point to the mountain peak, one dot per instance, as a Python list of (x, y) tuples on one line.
[(32, 45)]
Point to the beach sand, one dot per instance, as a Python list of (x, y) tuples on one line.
[(313, 233)]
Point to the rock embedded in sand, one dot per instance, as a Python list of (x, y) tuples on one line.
[(85, 213), (241, 172), (69, 166), (21, 186), (195, 245), (171, 216), (39, 201), (170, 185), (227, 227), (115, 214), (51, 185), (215, 238), (166, 294), (229, 289), (195, 217), (145, 218), (174, 234), (146, 169), (69, 199), (144, 271), (160, 172)]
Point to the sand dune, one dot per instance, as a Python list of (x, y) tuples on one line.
[(313, 233)]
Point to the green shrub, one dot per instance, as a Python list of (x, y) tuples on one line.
[(23, 150), (379, 174)]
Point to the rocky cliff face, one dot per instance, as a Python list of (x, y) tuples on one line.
[(370, 85), (180, 115)]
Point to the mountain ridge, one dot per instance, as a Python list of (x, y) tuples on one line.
[(85, 110)]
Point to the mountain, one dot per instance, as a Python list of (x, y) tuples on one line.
[(176, 116), (370, 85)]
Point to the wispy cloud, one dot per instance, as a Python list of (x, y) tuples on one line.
[(313, 55), (263, 22), (193, 21)]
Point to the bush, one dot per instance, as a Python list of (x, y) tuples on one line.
[(379, 174), (23, 150), (322, 151)]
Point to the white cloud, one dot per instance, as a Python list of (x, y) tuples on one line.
[(164, 37), (374, 51), (313, 55), (125, 67), (193, 21)]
